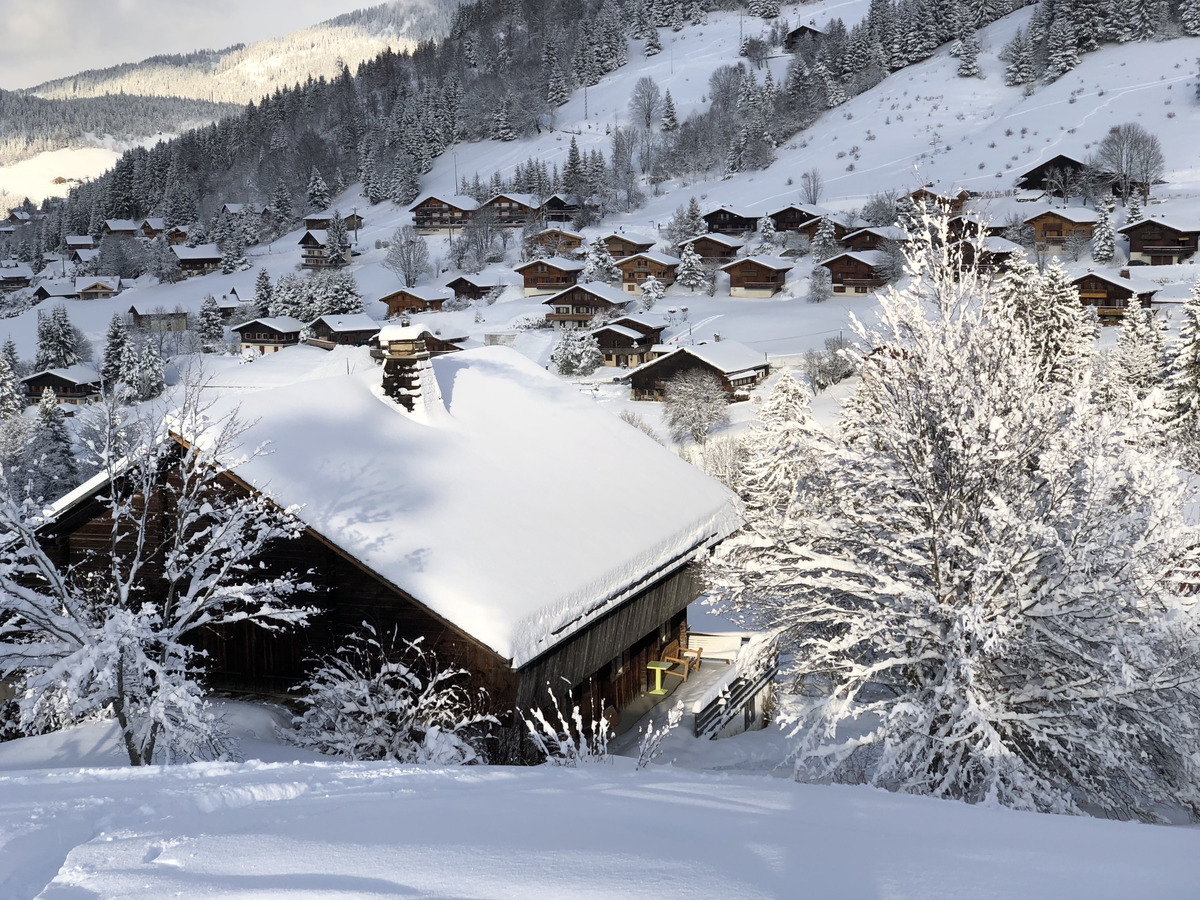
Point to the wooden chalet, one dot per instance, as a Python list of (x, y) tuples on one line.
[(854, 272), (1054, 226), (810, 228), (725, 220), (426, 524), (350, 329), (198, 260), (18, 217), (714, 247), (1161, 242), (989, 254), (73, 385), (937, 197), (793, 216), (122, 227), (315, 252), (548, 276), (472, 287), (629, 340), (84, 256), (1111, 294), (79, 242), (320, 221), (1035, 179), (559, 241), (513, 210), (621, 246), (797, 37), (966, 226), (434, 214), (407, 301), (55, 289), (576, 306), (151, 227), (637, 268), (874, 238), (177, 234), (97, 287), (756, 276), (158, 319), (14, 275), (238, 210), (560, 208), (270, 334), (738, 367)]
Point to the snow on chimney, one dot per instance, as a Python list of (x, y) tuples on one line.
[(407, 373)]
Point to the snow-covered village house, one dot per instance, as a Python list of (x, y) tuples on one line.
[(73, 385), (18, 217), (14, 275), (513, 210), (1053, 227), (270, 334), (79, 241), (548, 276), (347, 329), (797, 37), (620, 246), (989, 254), (576, 306), (756, 276), (435, 214), (320, 221), (874, 237), (121, 227), (559, 241), (198, 260), (54, 289), (96, 287), (637, 268), (154, 317), (473, 287), (1161, 242), (151, 227), (560, 208), (794, 215), (737, 366), (1111, 294), (1042, 176), (939, 197), (413, 487), (315, 252), (857, 273), (408, 301), (726, 220), (714, 247), (810, 228), (629, 340)]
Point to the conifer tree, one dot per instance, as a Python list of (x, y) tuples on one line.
[(779, 453), (565, 355), (262, 290), (56, 341), (690, 272), (556, 87), (337, 240), (652, 291), (1135, 210), (114, 347), (1189, 16), (318, 192), (670, 120), (1019, 54), (502, 129), (1056, 325), (1062, 53), (10, 351), (1183, 378), (50, 463), (766, 234), (825, 242), (282, 213), (820, 284), (599, 265), (12, 395), (653, 42), (968, 58), (1103, 239), (695, 217), (1138, 362), (209, 325), (233, 259)]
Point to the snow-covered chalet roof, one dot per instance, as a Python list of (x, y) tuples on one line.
[(661, 258), (600, 289), (727, 357), (524, 199), (621, 330), (1080, 215), (427, 293), (887, 232), (118, 225), (558, 262), (200, 251), (777, 263), (347, 322), (284, 324), (320, 235), (716, 237), (80, 373), (457, 201), (1186, 226), (155, 223), (1118, 280), (872, 258), (562, 231), (15, 271), (77, 241), (58, 288), (447, 508), (103, 282)]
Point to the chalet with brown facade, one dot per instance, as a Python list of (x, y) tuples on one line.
[(14, 275), (637, 268), (738, 367), (854, 272), (436, 213), (989, 254), (621, 246), (270, 334), (152, 228), (408, 301), (714, 247), (316, 254), (157, 319), (548, 276), (794, 215), (122, 227), (320, 221), (513, 210), (756, 276), (1111, 294), (727, 220), (79, 242), (97, 287), (1035, 179), (427, 525), (629, 340), (874, 237), (471, 287), (559, 241), (177, 234), (73, 385), (797, 37), (55, 289), (347, 330), (1054, 227), (941, 197), (576, 306), (199, 260), (810, 228), (560, 208), (18, 217), (1161, 242)]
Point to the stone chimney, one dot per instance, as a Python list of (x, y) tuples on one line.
[(407, 373)]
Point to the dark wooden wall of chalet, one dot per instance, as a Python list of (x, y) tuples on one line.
[(655, 379), (634, 626)]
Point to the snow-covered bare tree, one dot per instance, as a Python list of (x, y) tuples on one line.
[(980, 582), (694, 403), (386, 698), (407, 255), (113, 634), (1132, 156)]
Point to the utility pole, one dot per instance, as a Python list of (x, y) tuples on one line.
[(585, 102)]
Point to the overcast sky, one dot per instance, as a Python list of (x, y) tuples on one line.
[(45, 39)]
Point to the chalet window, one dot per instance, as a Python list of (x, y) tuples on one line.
[(860, 289)]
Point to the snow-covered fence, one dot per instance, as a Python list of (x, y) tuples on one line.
[(753, 669)]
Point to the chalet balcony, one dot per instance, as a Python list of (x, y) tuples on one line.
[(759, 285), (570, 317), (1179, 250)]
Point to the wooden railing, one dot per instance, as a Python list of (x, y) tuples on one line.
[(755, 668)]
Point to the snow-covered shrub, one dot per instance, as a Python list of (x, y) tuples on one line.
[(650, 743), (389, 699), (827, 367), (629, 417), (567, 742)]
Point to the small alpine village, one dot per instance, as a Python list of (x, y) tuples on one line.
[(622, 448)]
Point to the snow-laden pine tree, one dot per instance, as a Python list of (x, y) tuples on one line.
[(653, 45), (57, 346), (690, 271), (1189, 16), (968, 57), (1138, 363), (502, 129), (1062, 53), (566, 353), (670, 119), (979, 586), (599, 265), (1058, 329), (114, 347), (1104, 244), (766, 235), (318, 192), (337, 240), (210, 327), (12, 394), (263, 290), (233, 257), (1019, 56), (49, 461), (825, 242), (653, 290), (1135, 209), (820, 285), (1183, 380), (114, 635), (288, 297)]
